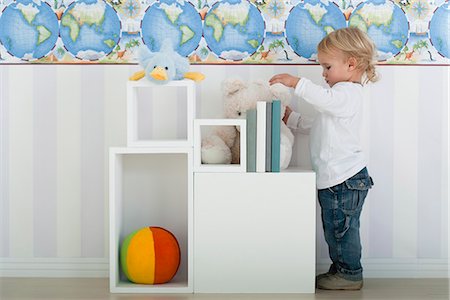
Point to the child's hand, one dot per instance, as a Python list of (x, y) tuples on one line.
[(286, 79), (287, 112)]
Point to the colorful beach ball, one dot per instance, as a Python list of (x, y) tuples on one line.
[(150, 255)]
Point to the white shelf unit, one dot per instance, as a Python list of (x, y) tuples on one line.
[(254, 232), (160, 115), (249, 228), (151, 187)]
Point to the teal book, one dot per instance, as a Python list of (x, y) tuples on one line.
[(268, 136), (251, 140), (276, 132)]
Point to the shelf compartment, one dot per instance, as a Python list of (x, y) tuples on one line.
[(151, 187), (202, 128), (160, 115), (257, 237)]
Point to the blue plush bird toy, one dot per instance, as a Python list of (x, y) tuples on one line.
[(165, 65)]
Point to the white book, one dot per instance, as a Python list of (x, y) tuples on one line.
[(260, 136)]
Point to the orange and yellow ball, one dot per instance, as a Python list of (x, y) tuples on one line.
[(150, 255)]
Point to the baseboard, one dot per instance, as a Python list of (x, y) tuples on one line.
[(398, 268), (54, 267), (99, 267)]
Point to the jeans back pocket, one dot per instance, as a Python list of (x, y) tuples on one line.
[(360, 184), (355, 194)]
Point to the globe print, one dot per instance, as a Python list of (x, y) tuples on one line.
[(385, 23), (177, 20), (439, 29), (90, 29), (233, 29), (28, 29), (309, 22)]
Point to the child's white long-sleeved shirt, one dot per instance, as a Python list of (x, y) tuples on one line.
[(336, 154)]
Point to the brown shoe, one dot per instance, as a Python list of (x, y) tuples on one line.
[(331, 271), (323, 275), (336, 282), (320, 276)]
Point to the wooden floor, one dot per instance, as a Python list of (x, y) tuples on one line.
[(97, 288)]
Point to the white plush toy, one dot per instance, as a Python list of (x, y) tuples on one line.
[(222, 147)]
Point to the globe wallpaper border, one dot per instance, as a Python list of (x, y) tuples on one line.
[(256, 32)]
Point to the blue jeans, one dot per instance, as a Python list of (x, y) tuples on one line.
[(341, 208)]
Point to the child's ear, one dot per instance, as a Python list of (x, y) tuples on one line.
[(352, 63)]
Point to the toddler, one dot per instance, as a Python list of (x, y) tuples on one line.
[(346, 56)]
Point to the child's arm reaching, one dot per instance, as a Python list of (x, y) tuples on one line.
[(286, 79), (336, 101), (292, 119)]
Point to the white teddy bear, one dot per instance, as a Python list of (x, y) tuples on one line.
[(222, 147)]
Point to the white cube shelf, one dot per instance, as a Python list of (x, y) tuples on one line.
[(254, 232), (160, 115), (151, 187), (201, 167)]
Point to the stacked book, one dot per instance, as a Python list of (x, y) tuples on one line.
[(263, 137)]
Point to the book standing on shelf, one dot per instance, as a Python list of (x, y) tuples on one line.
[(251, 140), (268, 136), (261, 136), (276, 135)]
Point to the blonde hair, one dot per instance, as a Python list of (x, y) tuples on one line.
[(352, 42)]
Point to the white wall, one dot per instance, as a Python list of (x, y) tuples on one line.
[(57, 122)]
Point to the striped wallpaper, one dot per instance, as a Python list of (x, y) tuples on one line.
[(57, 122)]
